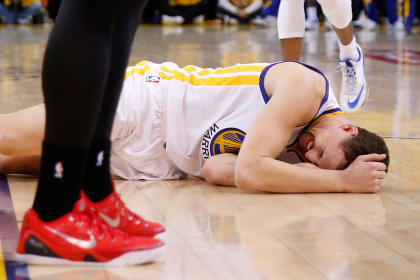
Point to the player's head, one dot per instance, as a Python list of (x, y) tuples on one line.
[(335, 145), (365, 142)]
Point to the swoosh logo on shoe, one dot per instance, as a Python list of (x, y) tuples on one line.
[(84, 244), (354, 103), (111, 222)]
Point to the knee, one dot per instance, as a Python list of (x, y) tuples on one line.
[(338, 12)]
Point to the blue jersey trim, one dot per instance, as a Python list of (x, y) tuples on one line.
[(262, 77), (323, 113), (264, 72)]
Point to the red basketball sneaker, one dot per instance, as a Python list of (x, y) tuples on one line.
[(113, 212), (79, 238)]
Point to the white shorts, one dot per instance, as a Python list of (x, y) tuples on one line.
[(138, 135), (291, 16)]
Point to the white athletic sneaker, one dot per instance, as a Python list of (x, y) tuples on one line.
[(198, 19), (398, 25), (354, 89), (369, 24), (259, 21), (172, 19), (25, 20), (311, 24)]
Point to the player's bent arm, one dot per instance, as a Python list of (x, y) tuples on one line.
[(295, 100), (220, 169)]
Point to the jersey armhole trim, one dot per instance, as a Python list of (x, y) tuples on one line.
[(264, 72)]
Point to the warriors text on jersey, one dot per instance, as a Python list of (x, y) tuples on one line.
[(171, 119)]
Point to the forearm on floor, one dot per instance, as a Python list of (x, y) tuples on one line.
[(279, 177), (20, 164)]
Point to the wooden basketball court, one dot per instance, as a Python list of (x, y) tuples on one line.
[(225, 233)]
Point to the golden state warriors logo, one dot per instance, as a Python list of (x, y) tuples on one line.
[(218, 141)]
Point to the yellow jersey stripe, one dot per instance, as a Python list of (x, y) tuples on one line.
[(329, 114), (235, 75), (227, 70), (252, 67), (212, 81)]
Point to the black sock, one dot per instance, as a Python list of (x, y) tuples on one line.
[(97, 182), (60, 181)]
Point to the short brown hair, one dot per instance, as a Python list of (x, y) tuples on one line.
[(365, 142)]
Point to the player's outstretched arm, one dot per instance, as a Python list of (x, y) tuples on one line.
[(20, 164), (21, 132)]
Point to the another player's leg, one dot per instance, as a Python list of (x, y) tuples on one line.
[(98, 185), (291, 27), (410, 9), (311, 22), (61, 228), (354, 89)]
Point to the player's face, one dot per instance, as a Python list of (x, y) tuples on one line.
[(322, 147)]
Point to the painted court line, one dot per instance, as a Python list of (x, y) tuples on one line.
[(9, 233), (2, 268)]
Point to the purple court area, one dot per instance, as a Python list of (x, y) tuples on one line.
[(9, 234)]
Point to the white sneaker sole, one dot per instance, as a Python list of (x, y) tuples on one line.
[(160, 236), (131, 258), (352, 111)]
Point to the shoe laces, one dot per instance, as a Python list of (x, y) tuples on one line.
[(350, 78), (90, 222), (131, 216)]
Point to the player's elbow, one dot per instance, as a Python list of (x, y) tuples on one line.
[(208, 174), (244, 179), (216, 175)]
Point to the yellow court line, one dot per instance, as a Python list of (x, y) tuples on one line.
[(2, 267)]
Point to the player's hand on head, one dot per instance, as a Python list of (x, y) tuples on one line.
[(365, 174)]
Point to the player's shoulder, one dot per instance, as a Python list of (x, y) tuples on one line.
[(286, 75), (293, 69)]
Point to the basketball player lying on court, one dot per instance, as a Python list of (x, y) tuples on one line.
[(269, 127)]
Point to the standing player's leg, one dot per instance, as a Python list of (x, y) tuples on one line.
[(409, 12), (77, 65), (354, 89), (291, 27), (311, 22), (98, 184)]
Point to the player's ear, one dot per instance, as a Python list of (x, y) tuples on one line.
[(351, 129)]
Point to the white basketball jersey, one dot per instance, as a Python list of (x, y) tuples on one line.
[(209, 111)]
